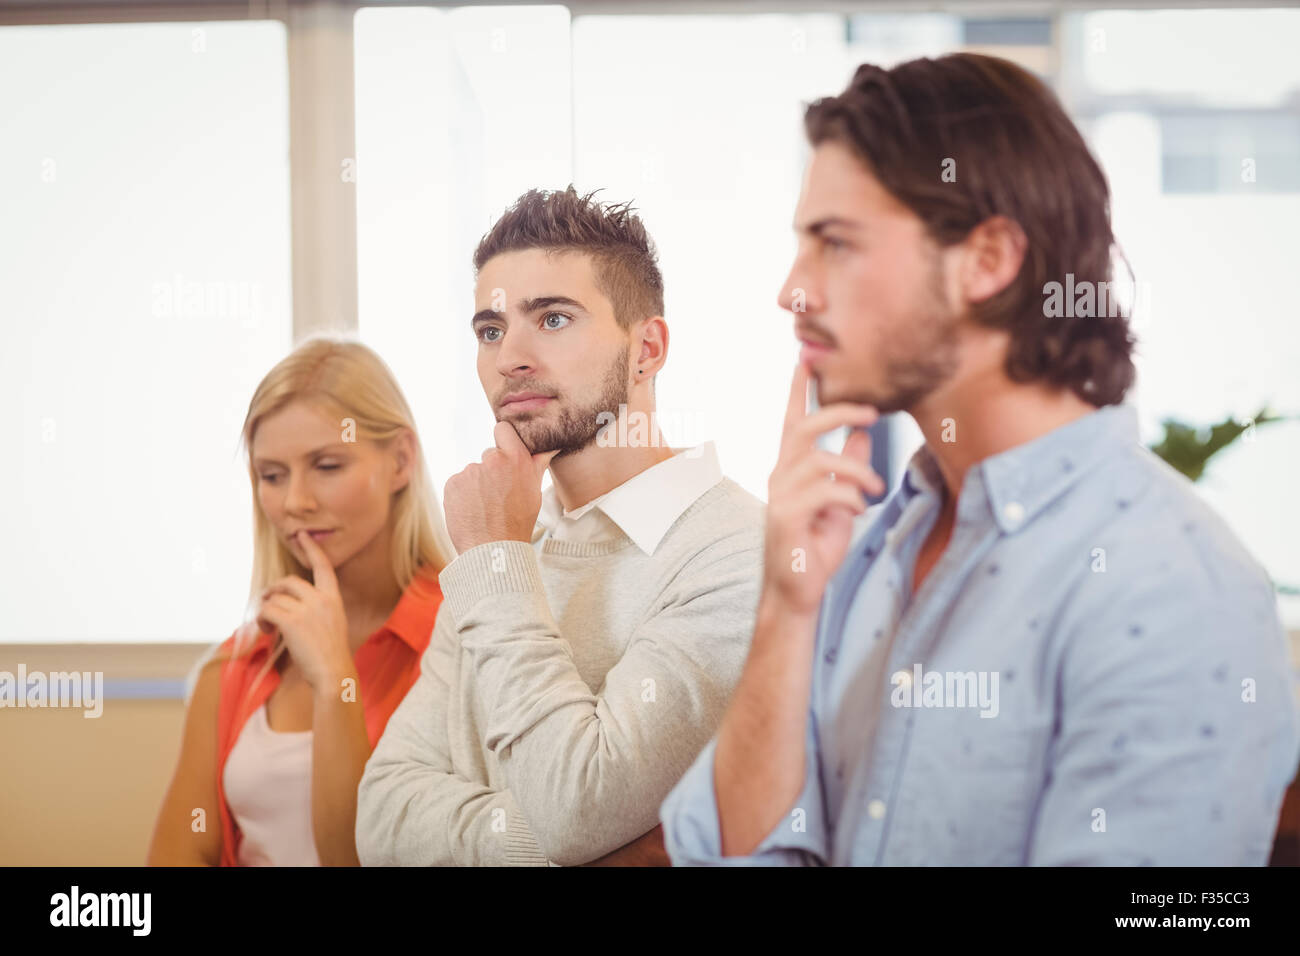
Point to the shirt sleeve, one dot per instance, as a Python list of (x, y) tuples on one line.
[(1177, 732), (690, 818), (413, 809), (590, 767)]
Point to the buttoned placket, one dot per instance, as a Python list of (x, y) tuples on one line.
[(839, 600), (973, 535), (883, 542)]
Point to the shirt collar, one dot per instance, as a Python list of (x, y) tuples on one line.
[(1020, 482), (922, 474), (647, 504)]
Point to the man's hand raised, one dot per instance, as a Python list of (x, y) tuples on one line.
[(813, 496), (498, 498)]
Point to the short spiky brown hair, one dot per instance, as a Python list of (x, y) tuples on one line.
[(624, 257)]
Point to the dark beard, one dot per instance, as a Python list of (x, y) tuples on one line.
[(576, 427), (912, 379)]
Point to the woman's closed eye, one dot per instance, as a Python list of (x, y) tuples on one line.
[(271, 479)]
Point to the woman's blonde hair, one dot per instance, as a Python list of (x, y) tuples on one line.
[(351, 383)]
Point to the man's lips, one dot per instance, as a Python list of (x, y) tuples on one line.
[(811, 351), (524, 401)]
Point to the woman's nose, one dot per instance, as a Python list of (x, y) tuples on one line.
[(299, 497)]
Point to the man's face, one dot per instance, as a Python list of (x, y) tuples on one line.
[(868, 290), (553, 357)]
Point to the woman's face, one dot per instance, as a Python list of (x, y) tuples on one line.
[(310, 477)]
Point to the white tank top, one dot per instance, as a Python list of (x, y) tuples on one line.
[(268, 787)]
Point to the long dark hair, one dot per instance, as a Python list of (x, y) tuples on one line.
[(965, 137)]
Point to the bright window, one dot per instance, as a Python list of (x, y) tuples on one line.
[(144, 284)]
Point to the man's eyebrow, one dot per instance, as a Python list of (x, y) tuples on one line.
[(263, 462), (830, 222), (547, 301), (529, 305)]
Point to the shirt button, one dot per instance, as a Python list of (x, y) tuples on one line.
[(876, 809), (1014, 512), (902, 679)]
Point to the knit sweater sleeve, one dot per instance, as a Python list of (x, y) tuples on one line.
[(589, 767), (413, 809)]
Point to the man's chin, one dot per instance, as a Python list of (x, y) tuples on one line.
[(562, 447), (832, 392), (531, 440), (539, 439)]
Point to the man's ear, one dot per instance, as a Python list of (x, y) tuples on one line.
[(651, 335), (994, 252)]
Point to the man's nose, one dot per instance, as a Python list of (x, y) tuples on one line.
[(797, 292), (515, 356)]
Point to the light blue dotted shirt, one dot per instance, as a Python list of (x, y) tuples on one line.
[(1093, 673)]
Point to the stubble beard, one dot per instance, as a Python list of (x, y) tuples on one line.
[(914, 368), (567, 428)]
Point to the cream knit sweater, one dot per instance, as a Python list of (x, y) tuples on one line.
[(565, 690)]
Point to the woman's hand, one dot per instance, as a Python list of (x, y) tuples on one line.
[(311, 619)]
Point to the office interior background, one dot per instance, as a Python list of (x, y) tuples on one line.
[(187, 189)]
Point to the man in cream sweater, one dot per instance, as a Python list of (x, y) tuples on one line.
[(589, 637)]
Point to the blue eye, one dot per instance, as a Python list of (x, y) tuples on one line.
[(561, 315), (482, 333)]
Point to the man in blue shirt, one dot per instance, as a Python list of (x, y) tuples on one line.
[(1042, 648)]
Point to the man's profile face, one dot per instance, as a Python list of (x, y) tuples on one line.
[(868, 289), (551, 355)]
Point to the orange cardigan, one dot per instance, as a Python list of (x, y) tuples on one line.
[(388, 664)]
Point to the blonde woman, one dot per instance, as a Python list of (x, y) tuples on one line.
[(348, 544)]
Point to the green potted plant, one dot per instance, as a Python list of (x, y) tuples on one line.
[(1188, 449)]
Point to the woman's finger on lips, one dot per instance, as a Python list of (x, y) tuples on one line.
[(322, 571)]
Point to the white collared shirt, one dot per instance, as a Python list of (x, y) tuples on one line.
[(644, 507)]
